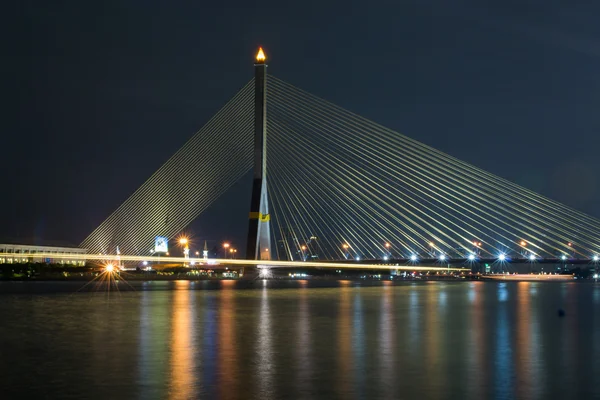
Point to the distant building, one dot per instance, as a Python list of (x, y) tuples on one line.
[(22, 253)]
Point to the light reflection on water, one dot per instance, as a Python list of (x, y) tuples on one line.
[(183, 346), (470, 340)]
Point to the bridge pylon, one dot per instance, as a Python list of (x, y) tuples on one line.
[(258, 246)]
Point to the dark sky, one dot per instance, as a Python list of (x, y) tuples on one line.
[(97, 95)]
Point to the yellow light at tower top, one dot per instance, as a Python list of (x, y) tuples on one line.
[(260, 56)]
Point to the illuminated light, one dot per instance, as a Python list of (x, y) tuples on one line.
[(563, 257), (532, 257), (387, 245), (226, 245), (471, 257), (357, 258), (570, 244), (502, 257), (442, 257), (595, 276), (345, 246), (145, 263), (265, 273), (260, 56), (523, 243), (183, 241), (303, 247), (413, 257), (109, 268), (431, 244), (385, 258), (595, 258)]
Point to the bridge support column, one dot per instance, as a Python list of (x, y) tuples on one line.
[(258, 246)]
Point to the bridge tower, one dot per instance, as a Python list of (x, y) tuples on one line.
[(258, 246)]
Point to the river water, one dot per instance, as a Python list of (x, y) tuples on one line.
[(266, 340)]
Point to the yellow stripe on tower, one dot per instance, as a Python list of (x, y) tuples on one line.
[(264, 217)]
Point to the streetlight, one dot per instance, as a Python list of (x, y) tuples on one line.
[(303, 248), (186, 249), (345, 246), (523, 243), (226, 246), (387, 246)]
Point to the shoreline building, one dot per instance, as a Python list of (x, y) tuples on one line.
[(27, 253)]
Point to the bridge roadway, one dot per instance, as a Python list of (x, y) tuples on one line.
[(477, 261), (422, 264), (222, 263)]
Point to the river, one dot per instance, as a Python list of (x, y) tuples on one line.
[(274, 340)]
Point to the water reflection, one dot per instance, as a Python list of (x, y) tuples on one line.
[(569, 326), (503, 375), (387, 344), (358, 345), (443, 340), (414, 316), (210, 349), (433, 333), (523, 354), (344, 332), (227, 355), (476, 355), (183, 346), (303, 349), (266, 363)]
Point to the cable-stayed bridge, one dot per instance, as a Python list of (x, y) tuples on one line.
[(337, 186)]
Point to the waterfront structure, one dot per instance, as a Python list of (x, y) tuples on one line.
[(258, 246), (23, 253)]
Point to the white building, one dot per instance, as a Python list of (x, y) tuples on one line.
[(21, 253)]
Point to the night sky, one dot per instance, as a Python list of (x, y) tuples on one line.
[(97, 95)]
